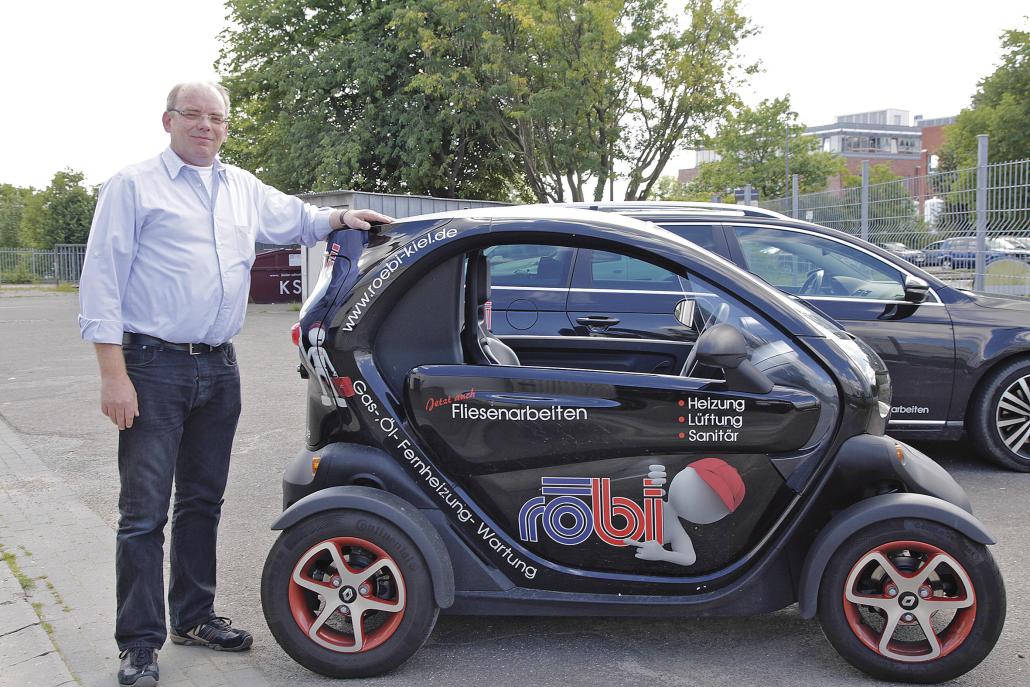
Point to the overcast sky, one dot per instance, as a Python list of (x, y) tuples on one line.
[(84, 82)]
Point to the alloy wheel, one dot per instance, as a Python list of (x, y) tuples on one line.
[(1012, 416), (909, 601), (347, 595)]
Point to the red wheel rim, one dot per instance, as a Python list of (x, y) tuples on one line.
[(907, 588), (334, 594)]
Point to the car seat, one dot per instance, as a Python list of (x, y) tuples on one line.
[(481, 346)]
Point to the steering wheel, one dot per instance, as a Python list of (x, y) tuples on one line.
[(813, 282)]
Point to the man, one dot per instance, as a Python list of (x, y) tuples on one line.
[(163, 291)]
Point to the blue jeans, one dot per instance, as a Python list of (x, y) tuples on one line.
[(189, 406)]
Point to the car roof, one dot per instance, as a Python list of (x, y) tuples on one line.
[(666, 212), (555, 212), (663, 207)]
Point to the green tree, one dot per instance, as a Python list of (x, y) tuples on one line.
[(12, 205), (577, 87), (474, 98), (670, 188), (323, 98), (893, 211), (1000, 108), (61, 213), (751, 146)]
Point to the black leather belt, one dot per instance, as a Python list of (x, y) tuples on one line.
[(191, 348)]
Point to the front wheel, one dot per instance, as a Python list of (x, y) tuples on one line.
[(347, 594), (912, 601), (999, 415)]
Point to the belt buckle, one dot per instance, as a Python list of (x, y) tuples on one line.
[(192, 352)]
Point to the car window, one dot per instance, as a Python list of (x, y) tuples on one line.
[(598, 269), (810, 265), (530, 265), (701, 234)]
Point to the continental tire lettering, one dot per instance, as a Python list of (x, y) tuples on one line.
[(381, 537)]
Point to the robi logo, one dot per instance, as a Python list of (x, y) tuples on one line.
[(571, 509), (584, 506)]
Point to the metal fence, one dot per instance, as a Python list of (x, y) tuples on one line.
[(969, 227), (63, 264)]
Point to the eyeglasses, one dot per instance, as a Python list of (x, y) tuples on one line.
[(195, 116)]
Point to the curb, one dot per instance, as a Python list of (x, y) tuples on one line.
[(27, 654)]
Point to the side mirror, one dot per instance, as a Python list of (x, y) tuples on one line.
[(685, 312), (916, 289), (724, 346)]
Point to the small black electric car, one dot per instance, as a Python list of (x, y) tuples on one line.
[(750, 472)]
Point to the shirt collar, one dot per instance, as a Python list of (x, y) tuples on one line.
[(174, 164)]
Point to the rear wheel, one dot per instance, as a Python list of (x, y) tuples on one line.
[(912, 601), (999, 415), (347, 594)]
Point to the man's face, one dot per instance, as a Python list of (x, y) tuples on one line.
[(197, 142)]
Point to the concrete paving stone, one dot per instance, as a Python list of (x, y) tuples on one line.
[(185, 657), (104, 678), (247, 677), (14, 616), (201, 674), (73, 643), (41, 671), (16, 647)]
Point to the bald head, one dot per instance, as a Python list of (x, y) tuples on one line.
[(179, 88)]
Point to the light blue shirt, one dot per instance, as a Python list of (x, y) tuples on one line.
[(170, 259)]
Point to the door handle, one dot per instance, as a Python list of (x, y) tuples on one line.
[(597, 323)]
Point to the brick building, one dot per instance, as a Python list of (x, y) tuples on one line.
[(884, 136), (880, 136)]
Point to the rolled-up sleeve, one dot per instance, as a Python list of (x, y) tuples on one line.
[(286, 219), (109, 254)]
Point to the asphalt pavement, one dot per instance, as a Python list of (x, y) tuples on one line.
[(58, 510)]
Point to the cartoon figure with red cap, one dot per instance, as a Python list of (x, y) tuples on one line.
[(704, 492)]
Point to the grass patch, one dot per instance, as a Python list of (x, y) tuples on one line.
[(66, 288), (24, 580), (58, 599), (47, 627), (295, 307)]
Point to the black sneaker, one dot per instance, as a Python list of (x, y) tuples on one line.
[(139, 667), (217, 634)]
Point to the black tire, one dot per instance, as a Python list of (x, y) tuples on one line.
[(946, 263), (969, 623), (397, 577), (1000, 431)]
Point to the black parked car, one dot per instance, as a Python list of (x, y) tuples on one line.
[(448, 472), (960, 360)]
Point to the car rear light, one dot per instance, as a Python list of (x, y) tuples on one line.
[(295, 333)]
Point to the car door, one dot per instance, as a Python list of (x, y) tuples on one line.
[(529, 285), (866, 294), (586, 467), (625, 308)]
